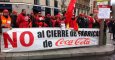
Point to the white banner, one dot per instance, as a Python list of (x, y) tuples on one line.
[(33, 39), (104, 12)]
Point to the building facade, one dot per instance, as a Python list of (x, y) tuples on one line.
[(48, 6), (16, 5), (22, 4), (83, 6), (52, 7)]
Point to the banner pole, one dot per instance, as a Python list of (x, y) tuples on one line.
[(101, 37)]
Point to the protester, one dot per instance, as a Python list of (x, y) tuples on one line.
[(81, 20), (48, 20), (97, 22), (23, 19), (91, 21), (29, 20), (111, 25), (53, 21), (14, 18), (86, 21), (33, 18), (40, 20), (58, 19), (5, 19)]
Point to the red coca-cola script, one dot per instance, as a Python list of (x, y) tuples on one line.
[(79, 41)]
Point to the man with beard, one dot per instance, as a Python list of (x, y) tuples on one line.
[(5, 19)]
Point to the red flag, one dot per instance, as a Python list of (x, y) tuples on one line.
[(69, 12)]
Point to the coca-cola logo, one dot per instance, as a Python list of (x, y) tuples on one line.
[(79, 41)]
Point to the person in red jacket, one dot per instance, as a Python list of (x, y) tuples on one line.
[(91, 21), (55, 21), (58, 19), (22, 19), (40, 21)]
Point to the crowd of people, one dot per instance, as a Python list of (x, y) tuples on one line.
[(35, 19)]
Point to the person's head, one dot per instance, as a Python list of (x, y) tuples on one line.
[(5, 12), (63, 17), (48, 15), (81, 15), (28, 15), (14, 12), (53, 17), (24, 11), (73, 17), (32, 13), (39, 14), (91, 14)]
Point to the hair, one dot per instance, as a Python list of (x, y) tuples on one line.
[(91, 14), (23, 10)]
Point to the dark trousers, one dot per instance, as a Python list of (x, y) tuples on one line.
[(0, 30), (114, 36)]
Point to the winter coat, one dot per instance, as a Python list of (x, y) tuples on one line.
[(22, 21)]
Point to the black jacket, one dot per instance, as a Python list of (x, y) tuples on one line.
[(48, 21), (83, 23), (112, 26), (14, 18)]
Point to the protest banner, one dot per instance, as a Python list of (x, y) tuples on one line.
[(26, 39), (104, 12)]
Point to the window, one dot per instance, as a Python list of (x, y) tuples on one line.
[(47, 10), (48, 2), (56, 3), (56, 11), (36, 2), (4, 0)]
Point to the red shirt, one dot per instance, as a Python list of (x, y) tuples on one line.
[(39, 21), (53, 23), (91, 21), (22, 21)]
